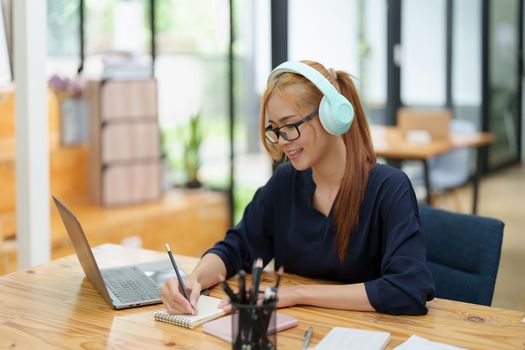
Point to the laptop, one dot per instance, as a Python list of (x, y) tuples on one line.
[(124, 286)]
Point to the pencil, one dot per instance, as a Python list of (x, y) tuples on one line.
[(179, 277), (228, 290), (256, 279), (242, 286)]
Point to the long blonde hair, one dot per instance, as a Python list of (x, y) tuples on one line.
[(359, 150)]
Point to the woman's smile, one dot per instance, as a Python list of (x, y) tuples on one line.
[(294, 153)]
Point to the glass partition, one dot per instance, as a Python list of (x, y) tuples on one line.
[(503, 81)]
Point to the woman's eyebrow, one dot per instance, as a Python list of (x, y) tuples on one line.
[(282, 120)]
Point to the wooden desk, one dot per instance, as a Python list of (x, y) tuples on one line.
[(53, 306), (390, 144)]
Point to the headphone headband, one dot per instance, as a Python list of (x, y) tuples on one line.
[(335, 111), (309, 73)]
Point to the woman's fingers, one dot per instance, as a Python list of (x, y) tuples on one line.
[(194, 296), (172, 307), (173, 298), (225, 305)]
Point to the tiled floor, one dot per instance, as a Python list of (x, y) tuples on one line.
[(502, 196)]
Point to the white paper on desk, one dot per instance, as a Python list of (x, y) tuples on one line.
[(418, 136), (523, 321), (340, 338), (418, 343)]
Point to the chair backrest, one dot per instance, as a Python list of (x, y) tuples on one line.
[(434, 121), (452, 169), (463, 253)]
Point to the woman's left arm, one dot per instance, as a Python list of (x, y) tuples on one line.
[(406, 283), (347, 296)]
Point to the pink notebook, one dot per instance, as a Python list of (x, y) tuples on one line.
[(222, 327)]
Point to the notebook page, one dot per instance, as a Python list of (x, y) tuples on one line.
[(418, 343), (207, 307), (340, 338)]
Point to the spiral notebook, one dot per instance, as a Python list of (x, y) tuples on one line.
[(207, 308)]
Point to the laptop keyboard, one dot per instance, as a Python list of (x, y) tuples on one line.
[(130, 284)]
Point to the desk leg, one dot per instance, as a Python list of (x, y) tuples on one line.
[(427, 181), (475, 180)]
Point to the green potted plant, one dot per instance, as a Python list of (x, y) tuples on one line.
[(192, 139)]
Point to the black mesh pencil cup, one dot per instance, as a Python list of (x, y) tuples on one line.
[(253, 326)]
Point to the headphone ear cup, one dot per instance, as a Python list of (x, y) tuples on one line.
[(325, 114), (338, 118)]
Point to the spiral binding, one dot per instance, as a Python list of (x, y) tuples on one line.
[(173, 319)]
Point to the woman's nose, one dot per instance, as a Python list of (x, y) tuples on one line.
[(282, 140)]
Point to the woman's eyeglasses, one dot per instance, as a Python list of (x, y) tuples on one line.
[(289, 132)]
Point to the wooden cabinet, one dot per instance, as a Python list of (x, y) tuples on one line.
[(124, 149)]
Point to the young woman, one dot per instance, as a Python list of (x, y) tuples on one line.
[(329, 212)]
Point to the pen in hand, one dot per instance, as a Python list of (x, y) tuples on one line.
[(179, 277)]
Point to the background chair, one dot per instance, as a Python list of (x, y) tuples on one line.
[(447, 172), (452, 169), (463, 253), (435, 122)]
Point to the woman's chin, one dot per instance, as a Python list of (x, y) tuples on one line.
[(299, 165)]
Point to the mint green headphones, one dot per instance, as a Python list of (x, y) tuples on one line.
[(336, 113)]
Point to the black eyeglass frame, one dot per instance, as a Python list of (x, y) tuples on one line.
[(277, 131)]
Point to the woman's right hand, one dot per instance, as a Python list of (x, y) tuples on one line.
[(174, 300)]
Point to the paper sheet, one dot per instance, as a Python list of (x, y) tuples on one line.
[(418, 343), (340, 338)]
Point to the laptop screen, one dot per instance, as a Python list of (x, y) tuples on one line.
[(82, 248)]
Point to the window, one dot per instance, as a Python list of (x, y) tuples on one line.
[(63, 37), (192, 74), (346, 35), (5, 67), (423, 52)]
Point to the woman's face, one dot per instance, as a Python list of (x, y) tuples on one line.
[(310, 147)]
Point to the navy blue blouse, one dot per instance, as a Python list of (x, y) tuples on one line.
[(386, 251)]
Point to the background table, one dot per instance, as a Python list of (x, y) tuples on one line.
[(389, 143)]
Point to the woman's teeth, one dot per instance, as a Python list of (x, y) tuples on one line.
[(294, 152)]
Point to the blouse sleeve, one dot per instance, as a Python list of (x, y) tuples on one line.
[(252, 238), (406, 283)]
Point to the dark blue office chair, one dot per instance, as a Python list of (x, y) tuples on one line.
[(463, 253)]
